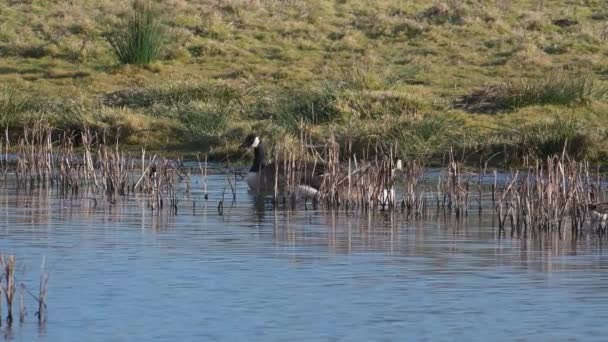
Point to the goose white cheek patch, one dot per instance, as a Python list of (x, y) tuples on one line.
[(256, 142), (399, 165)]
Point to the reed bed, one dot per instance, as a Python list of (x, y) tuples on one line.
[(413, 199), (456, 187), (85, 165), (549, 195), (544, 195)]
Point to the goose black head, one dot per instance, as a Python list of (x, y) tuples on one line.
[(251, 141)]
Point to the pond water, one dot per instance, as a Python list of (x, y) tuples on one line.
[(121, 272)]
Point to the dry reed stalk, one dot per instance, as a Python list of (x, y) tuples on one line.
[(22, 310), (275, 197), (188, 174), (6, 149), (329, 186), (413, 195), (89, 166), (42, 292), (203, 170), (547, 194), (205, 178), (285, 177), (455, 188), (231, 185), (8, 263), (147, 175)]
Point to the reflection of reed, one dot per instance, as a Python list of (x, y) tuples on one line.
[(444, 242)]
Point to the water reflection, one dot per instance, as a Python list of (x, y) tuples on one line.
[(123, 271)]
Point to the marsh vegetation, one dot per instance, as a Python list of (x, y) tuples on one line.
[(549, 194)]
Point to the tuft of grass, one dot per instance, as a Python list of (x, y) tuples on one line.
[(142, 38), (15, 107), (379, 104), (311, 106), (556, 88), (12, 103), (451, 11), (600, 15), (431, 135), (364, 78), (550, 137), (200, 118), (198, 123)]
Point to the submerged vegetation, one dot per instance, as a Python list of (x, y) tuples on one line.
[(474, 77)]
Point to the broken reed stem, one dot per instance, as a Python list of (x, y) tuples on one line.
[(276, 177)]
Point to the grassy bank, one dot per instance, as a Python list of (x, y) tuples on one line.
[(504, 78)]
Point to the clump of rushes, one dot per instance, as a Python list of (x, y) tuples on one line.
[(311, 106), (429, 135), (556, 88), (13, 104), (543, 139), (141, 40), (199, 118)]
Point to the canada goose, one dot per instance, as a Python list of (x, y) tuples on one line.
[(598, 211), (309, 177), (261, 176)]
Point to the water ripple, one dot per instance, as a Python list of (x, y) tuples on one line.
[(120, 272)]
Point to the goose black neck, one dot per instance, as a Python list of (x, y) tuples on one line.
[(258, 159)]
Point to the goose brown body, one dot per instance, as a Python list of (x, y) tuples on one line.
[(262, 177)]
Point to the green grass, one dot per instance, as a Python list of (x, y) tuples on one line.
[(475, 76), (176, 93), (13, 104)]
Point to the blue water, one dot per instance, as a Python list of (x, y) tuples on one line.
[(123, 273)]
